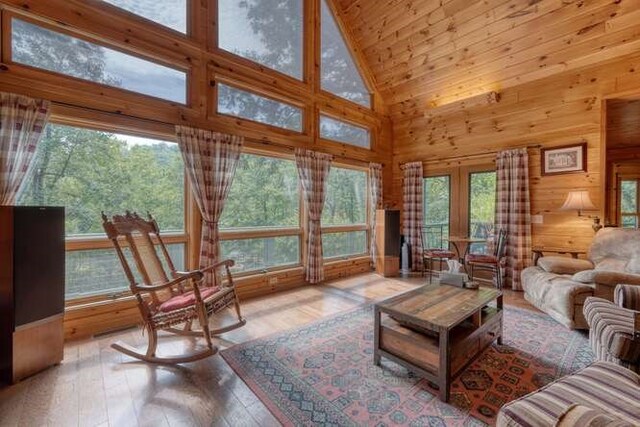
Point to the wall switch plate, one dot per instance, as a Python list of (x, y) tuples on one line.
[(537, 219)]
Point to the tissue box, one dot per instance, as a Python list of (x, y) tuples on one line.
[(455, 279)]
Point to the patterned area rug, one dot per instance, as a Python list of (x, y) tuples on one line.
[(323, 374)]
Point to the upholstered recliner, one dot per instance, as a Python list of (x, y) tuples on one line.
[(614, 327), (560, 286)]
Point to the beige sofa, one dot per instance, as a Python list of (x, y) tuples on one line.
[(559, 286)]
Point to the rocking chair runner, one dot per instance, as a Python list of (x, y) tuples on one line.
[(168, 300)]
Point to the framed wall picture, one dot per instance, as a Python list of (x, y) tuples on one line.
[(567, 159)]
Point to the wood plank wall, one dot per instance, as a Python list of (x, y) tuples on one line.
[(555, 111), (553, 62)]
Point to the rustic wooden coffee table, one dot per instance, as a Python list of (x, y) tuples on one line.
[(437, 330)]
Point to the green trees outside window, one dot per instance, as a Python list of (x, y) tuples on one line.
[(345, 205), (436, 200), (629, 203), (89, 171)]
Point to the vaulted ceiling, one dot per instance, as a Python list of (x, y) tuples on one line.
[(426, 53)]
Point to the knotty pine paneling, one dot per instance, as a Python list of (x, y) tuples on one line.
[(554, 111), (441, 51)]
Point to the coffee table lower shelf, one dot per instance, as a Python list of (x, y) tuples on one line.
[(438, 356)]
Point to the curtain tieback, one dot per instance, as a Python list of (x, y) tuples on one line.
[(210, 222)]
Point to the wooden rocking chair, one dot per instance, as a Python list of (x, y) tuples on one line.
[(169, 300)]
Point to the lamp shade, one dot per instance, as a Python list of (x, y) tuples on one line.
[(578, 201)]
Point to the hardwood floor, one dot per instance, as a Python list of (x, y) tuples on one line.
[(97, 386)]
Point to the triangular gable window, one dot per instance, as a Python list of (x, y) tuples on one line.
[(339, 72)]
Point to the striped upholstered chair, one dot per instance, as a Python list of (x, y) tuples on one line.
[(603, 394), (614, 331)]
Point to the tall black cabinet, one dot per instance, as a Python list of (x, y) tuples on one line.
[(32, 272)]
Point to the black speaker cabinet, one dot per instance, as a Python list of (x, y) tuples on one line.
[(32, 265), (387, 242)]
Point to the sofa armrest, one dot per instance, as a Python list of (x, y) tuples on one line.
[(615, 278), (606, 282), (627, 296)]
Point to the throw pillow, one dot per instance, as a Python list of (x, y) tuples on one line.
[(586, 276), (563, 265)]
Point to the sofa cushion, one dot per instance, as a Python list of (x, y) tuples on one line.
[(633, 266), (603, 387), (563, 265), (612, 264), (557, 295), (615, 243)]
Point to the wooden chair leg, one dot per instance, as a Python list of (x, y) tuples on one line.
[(153, 342), (430, 270), (498, 277)]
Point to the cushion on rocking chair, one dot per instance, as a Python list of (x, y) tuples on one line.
[(185, 300)]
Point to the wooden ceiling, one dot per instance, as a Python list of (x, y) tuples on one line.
[(426, 53), (623, 123)]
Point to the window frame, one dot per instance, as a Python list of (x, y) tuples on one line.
[(333, 229), (247, 233), (7, 58), (307, 46), (217, 80), (101, 241)]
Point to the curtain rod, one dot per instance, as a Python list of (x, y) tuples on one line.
[(486, 154)]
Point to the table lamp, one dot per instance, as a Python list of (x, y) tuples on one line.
[(580, 201)]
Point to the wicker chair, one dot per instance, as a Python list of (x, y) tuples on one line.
[(492, 263), (168, 300)]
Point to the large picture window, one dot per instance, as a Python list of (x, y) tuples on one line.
[(260, 224), (344, 216), (240, 103), (89, 171), (337, 130), (54, 51), (339, 72), (266, 32), (170, 13)]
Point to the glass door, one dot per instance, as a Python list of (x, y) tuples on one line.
[(436, 208)]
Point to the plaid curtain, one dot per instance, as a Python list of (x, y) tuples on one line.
[(210, 160), (313, 171), (22, 121), (513, 211), (412, 210), (375, 202)]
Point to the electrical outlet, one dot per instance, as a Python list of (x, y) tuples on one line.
[(273, 280), (537, 219)]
